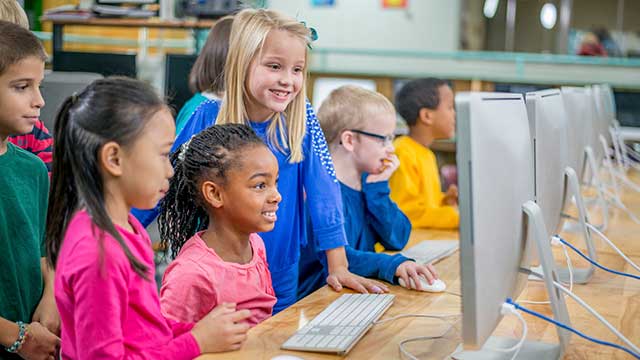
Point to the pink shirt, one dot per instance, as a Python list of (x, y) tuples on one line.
[(107, 310), (198, 280)]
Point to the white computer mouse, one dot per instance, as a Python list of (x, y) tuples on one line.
[(437, 286), (286, 357)]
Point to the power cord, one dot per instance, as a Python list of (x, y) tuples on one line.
[(597, 264), (509, 309), (606, 240), (556, 241), (586, 306), (566, 327)]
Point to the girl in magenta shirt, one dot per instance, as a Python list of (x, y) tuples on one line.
[(112, 145), (223, 192)]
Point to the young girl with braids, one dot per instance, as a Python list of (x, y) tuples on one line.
[(265, 77), (112, 146), (223, 192)]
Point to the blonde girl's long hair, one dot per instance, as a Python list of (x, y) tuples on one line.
[(248, 34)]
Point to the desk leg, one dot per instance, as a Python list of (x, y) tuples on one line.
[(57, 41), (58, 30)]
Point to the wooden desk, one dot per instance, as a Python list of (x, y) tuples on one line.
[(58, 26), (615, 297)]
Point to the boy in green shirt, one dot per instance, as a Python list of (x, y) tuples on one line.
[(28, 316)]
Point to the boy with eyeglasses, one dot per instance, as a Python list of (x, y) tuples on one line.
[(359, 125), (427, 105)]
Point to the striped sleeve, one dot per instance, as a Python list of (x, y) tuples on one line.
[(39, 142)]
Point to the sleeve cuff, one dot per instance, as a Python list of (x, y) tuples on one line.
[(378, 188), (330, 238), (389, 272)]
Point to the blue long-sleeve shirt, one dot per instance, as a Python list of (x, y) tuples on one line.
[(314, 176), (370, 217)]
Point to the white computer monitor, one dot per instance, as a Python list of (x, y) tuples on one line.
[(496, 184), (556, 183), (605, 115), (576, 106), (594, 125), (548, 127)]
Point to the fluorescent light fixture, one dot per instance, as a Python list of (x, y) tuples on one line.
[(490, 8), (548, 15)]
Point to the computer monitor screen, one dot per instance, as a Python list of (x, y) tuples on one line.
[(495, 162), (548, 126), (323, 86), (105, 64), (594, 125), (577, 110), (603, 111), (176, 81)]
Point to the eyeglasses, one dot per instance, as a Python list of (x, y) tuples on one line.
[(386, 139)]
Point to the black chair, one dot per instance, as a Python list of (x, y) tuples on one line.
[(105, 64), (176, 81)]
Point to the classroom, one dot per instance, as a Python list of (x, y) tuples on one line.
[(319, 179)]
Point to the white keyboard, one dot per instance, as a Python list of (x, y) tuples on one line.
[(341, 324), (430, 251)]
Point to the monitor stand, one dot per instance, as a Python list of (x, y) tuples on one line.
[(591, 166), (580, 275), (531, 350)]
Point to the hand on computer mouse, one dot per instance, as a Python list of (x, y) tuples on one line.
[(437, 285), (412, 270)]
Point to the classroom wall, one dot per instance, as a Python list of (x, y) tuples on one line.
[(532, 37), (425, 25)]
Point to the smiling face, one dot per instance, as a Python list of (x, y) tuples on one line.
[(276, 75), (250, 194), (20, 98)]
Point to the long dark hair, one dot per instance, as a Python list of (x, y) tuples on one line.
[(111, 109), (207, 73), (207, 156)]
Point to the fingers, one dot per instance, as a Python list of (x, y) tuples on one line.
[(333, 281), (413, 274), (374, 286), (352, 283), (238, 315), (426, 272), (401, 272), (224, 308), (433, 271)]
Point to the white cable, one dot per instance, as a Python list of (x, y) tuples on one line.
[(555, 241), (440, 317), (406, 353), (597, 316), (613, 199), (506, 310), (613, 246)]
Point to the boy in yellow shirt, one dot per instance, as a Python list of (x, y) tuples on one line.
[(427, 107)]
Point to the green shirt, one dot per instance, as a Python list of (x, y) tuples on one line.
[(24, 187)]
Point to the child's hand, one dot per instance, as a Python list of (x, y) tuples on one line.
[(343, 277), (413, 270), (47, 314), (40, 343), (451, 196), (223, 329), (390, 164)]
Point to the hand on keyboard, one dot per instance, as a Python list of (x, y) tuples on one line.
[(413, 270), (343, 277)]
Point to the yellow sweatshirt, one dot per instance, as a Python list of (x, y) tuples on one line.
[(415, 187)]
